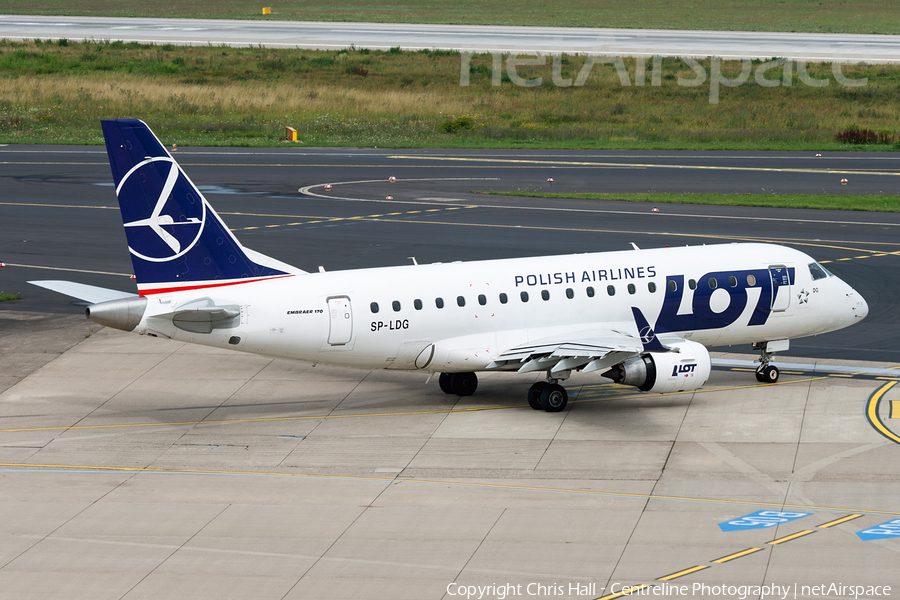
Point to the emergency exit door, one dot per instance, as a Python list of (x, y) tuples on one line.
[(781, 288), (341, 321)]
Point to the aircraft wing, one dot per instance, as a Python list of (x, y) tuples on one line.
[(592, 349), (88, 293)]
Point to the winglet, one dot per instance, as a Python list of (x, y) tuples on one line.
[(648, 336)]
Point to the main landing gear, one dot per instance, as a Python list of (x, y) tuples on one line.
[(543, 395), (458, 384), (765, 372), (547, 395)]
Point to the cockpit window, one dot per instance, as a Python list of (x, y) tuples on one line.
[(817, 271)]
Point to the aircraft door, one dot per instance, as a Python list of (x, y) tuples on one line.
[(781, 288), (340, 320)]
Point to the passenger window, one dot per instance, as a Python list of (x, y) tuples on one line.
[(524, 296), (374, 307), (570, 293), (460, 301), (439, 302), (673, 285), (713, 284), (482, 299), (396, 306), (503, 299), (418, 304), (817, 271), (611, 290), (652, 287), (732, 281), (751, 280), (545, 295), (590, 292), (631, 288), (692, 284)]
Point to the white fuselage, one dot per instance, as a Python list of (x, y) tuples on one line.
[(330, 317)]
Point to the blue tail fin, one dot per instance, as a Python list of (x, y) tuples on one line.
[(176, 239)]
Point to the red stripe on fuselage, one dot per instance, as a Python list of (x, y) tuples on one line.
[(204, 286)]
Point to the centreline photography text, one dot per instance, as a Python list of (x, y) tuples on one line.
[(502, 591)]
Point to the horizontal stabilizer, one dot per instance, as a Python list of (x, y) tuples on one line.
[(88, 293)]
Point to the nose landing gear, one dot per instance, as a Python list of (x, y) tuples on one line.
[(768, 373)]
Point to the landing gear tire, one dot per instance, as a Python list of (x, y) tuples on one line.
[(463, 384), (534, 395), (554, 398), (768, 374), (444, 381)]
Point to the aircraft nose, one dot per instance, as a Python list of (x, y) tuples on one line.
[(859, 308), (862, 308)]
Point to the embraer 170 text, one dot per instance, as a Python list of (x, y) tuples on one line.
[(639, 317)]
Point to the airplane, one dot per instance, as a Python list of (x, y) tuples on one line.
[(641, 318)]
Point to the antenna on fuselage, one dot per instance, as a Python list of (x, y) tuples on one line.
[(413, 258), (633, 245)]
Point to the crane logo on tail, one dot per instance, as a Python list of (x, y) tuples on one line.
[(164, 215)]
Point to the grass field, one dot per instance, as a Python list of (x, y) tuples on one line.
[(828, 16), (885, 203), (56, 92)]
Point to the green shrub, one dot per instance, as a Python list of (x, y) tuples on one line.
[(454, 124)]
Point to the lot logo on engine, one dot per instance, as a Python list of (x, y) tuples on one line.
[(683, 369)]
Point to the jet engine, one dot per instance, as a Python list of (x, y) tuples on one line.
[(686, 368)]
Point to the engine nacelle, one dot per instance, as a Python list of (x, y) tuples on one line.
[(665, 372), (124, 313)]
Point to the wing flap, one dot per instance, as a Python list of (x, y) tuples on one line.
[(590, 350)]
